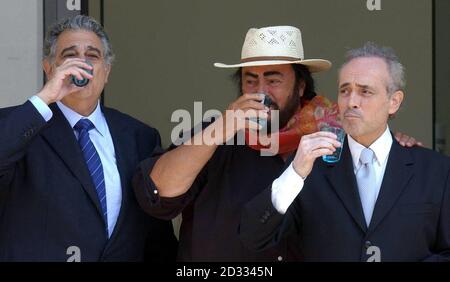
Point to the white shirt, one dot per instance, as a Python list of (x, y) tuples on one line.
[(103, 143), (286, 187)]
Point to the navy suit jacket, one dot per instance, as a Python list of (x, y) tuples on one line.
[(48, 202), (410, 222)]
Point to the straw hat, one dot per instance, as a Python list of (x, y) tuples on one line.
[(275, 45)]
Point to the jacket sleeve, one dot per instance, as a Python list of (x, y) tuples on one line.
[(161, 246), (262, 226), (18, 127), (442, 248)]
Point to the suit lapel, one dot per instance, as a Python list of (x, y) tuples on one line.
[(342, 178), (61, 138), (399, 170)]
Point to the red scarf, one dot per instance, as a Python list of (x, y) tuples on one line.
[(309, 117)]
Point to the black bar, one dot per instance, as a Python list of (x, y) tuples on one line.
[(44, 32), (102, 22), (102, 12), (433, 69), (84, 7)]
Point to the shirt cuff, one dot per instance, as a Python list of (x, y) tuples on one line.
[(285, 189), (41, 107)]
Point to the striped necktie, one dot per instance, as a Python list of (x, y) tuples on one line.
[(93, 162)]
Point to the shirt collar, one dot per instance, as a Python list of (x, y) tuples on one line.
[(96, 117), (381, 148)]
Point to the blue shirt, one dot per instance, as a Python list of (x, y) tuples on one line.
[(102, 140)]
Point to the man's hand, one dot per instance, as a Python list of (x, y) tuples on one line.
[(406, 141), (311, 147), (238, 112), (59, 84)]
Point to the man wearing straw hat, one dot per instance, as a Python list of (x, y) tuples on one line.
[(210, 183)]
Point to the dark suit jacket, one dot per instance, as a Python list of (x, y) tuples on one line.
[(411, 219), (48, 202)]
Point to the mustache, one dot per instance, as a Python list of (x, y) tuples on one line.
[(353, 113)]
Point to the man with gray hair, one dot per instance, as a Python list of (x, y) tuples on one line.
[(66, 163), (380, 202)]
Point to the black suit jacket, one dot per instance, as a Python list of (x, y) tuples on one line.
[(410, 222), (48, 202)]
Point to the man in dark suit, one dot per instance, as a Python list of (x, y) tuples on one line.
[(66, 163), (380, 202)]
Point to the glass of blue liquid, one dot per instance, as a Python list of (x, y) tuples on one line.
[(340, 133)]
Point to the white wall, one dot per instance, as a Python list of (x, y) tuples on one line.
[(21, 33)]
